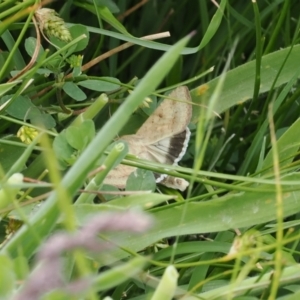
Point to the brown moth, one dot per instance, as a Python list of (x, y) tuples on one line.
[(162, 138)]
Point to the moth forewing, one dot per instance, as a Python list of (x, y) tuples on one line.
[(171, 117), (162, 138)]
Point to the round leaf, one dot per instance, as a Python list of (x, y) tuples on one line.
[(141, 180)]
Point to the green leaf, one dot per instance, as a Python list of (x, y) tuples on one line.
[(85, 211), (74, 138), (20, 108), (236, 210), (62, 148), (167, 286), (30, 45), (42, 119), (88, 131), (5, 87), (109, 188), (289, 274), (10, 42), (287, 147), (193, 247), (21, 162), (294, 296), (9, 153), (44, 71), (239, 82), (21, 267), (8, 193), (106, 15), (56, 295), (119, 274), (146, 200), (141, 180), (101, 85), (3, 59), (213, 25), (7, 276), (80, 136), (54, 64), (76, 31), (74, 91), (109, 4)]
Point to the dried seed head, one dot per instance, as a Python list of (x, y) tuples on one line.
[(52, 24)]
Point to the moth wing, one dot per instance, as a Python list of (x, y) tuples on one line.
[(175, 183), (119, 175), (162, 138), (170, 118), (168, 150)]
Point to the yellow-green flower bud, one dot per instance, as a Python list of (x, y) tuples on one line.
[(145, 102), (27, 134)]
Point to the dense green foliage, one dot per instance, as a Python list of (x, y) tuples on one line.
[(70, 83)]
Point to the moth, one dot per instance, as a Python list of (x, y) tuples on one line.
[(163, 138)]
